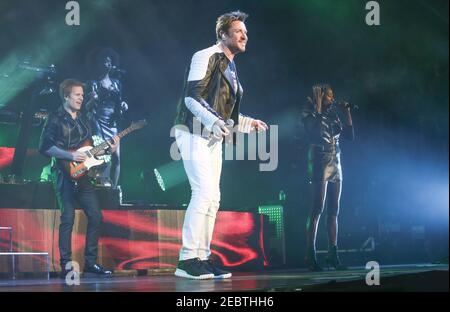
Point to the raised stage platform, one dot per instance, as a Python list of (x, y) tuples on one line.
[(418, 277), (135, 236), (140, 242)]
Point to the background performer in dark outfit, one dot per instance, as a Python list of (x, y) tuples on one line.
[(106, 108), (324, 128)]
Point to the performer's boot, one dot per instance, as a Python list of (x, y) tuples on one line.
[(332, 259), (311, 260)]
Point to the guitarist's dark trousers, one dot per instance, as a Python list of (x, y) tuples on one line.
[(71, 195)]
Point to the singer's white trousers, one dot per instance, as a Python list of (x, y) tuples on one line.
[(203, 166)]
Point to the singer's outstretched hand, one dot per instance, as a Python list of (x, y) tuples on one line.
[(259, 125)]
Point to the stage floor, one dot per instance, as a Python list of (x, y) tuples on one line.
[(415, 277)]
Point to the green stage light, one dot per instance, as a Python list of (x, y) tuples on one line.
[(275, 215), (50, 43), (170, 175)]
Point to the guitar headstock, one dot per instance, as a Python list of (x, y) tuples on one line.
[(138, 124)]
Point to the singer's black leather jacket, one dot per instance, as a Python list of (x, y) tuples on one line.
[(208, 92)]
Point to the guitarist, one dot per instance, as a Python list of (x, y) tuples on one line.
[(64, 132)]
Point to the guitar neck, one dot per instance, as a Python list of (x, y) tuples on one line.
[(125, 132), (104, 145)]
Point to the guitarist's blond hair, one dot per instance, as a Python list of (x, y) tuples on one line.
[(66, 87)]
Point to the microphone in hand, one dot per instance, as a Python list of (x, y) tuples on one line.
[(118, 70), (220, 129), (346, 105)]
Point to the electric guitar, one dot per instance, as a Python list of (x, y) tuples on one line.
[(77, 170)]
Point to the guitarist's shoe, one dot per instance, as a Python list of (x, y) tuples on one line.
[(96, 271)]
